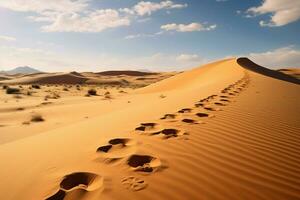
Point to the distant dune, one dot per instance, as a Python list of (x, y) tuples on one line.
[(127, 73), (226, 130), (106, 77), (295, 72)]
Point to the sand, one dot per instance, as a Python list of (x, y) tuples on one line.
[(226, 130)]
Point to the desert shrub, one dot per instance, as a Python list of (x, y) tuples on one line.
[(107, 95), (37, 118), (4, 87), (65, 89), (10, 90), (53, 95), (35, 86), (92, 92)]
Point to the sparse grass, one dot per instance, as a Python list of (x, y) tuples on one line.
[(28, 93), (92, 92), (54, 95), (107, 95), (10, 90), (37, 118)]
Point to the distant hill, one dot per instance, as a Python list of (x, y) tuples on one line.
[(127, 73), (21, 70)]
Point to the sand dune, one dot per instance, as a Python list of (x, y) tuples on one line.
[(214, 132), (106, 77), (127, 73), (295, 72)]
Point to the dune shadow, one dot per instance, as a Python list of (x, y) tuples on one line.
[(248, 64)]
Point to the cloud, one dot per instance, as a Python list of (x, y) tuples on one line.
[(278, 58), (96, 21), (41, 6), (68, 16), (76, 16), (188, 27), (189, 58), (143, 35), (7, 38), (147, 7), (282, 12)]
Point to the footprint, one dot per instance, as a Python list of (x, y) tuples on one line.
[(224, 100), (185, 110), (146, 126), (224, 96), (117, 148), (189, 121), (202, 115), (169, 116), (144, 163), (169, 133), (199, 105), (212, 109), (219, 104), (77, 184), (134, 183)]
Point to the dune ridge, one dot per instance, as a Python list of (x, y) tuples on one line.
[(226, 136)]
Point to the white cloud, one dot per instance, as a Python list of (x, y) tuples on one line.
[(41, 6), (189, 58), (283, 12), (147, 7), (142, 35), (76, 16), (188, 27), (96, 21), (68, 15), (7, 38), (278, 58)]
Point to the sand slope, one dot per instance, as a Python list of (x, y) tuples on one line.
[(215, 132)]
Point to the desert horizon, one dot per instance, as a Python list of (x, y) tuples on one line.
[(144, 100)]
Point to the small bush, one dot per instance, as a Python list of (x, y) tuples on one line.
[(36, 86), (12, 90), (65, 89), (37, 118), (4, 87), (162, 96), (92, 92)]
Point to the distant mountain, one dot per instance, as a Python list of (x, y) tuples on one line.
[(21, 70)]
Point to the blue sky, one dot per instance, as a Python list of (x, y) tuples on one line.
[(95, 35)]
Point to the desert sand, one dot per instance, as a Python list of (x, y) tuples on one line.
[(226, 130)]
